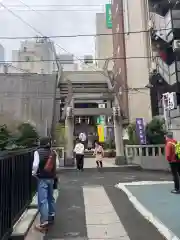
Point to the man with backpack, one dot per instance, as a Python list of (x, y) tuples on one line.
[(172, 151), (44, 169)]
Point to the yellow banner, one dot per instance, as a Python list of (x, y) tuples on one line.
[(100, 129)]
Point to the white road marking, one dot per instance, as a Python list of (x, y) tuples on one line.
[(143, 183), (167, 233), (101, 218)]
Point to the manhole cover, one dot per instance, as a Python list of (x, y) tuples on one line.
[(74, 207), (72, 234)]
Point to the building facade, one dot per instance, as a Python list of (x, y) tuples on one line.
[(67, 62), (37, 56), (103, 43), (28, 98), (2, 53), (165, 66), (6, 68), (131, 44)]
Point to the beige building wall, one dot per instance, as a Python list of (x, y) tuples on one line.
[(104, 43), (137, 47), (35, 56)]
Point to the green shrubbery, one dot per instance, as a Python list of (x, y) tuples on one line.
[(154, 130), (24, 136)]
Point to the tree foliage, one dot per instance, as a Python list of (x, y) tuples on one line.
[(28, 135), (60, 134), (25, 136), (4, 136), (133, 139), (155, 131)]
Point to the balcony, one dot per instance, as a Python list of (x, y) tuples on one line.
[(168, 73), (162, 28), (176, 23)]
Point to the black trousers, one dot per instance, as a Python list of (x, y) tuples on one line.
[(175, 169), (80, 161)]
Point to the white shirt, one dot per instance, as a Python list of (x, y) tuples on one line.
[(82, 137), (37, 160), (79, 148), (35, 163)]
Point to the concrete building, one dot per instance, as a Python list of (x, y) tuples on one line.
[(165, 65), (37, 56), (88, 64), (131, 53), (28, 97), (7, 68), (103, 43), (2, 53), (67, 62)]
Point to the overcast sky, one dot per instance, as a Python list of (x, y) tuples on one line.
[(52, 23)]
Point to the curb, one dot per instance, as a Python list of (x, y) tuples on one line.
[(122, 168), (23, 225)]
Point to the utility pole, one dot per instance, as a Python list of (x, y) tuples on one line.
[(117, 116)]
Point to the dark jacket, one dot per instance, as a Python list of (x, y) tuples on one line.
[(44, 154)]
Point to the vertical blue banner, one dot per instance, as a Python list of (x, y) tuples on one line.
[(140, 129)]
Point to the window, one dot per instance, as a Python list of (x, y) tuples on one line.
[(118, 49)]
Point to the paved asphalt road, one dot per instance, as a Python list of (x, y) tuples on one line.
[(71, 218)]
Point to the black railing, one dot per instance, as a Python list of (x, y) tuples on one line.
[(17, 188)]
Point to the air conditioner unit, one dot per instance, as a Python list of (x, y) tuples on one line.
[(176, 45)]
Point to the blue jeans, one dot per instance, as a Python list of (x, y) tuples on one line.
[(46, 202)]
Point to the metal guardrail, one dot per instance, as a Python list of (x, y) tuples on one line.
[(17, 187)]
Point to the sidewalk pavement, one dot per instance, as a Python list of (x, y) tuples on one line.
[(156, 203), (91, 207)]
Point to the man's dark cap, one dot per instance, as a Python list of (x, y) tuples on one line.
[(45, 142)]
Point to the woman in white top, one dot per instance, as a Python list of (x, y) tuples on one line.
[(79, 152), (99, 154)]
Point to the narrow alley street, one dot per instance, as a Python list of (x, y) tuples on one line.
[(90, 206)]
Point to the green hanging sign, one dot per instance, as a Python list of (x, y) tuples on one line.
[(101, 120), (108, 16)]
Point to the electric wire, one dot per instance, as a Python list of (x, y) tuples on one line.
[(39, 94), (56, 5), (79, 59), (82, 35), (56, 44), (57, 10)]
